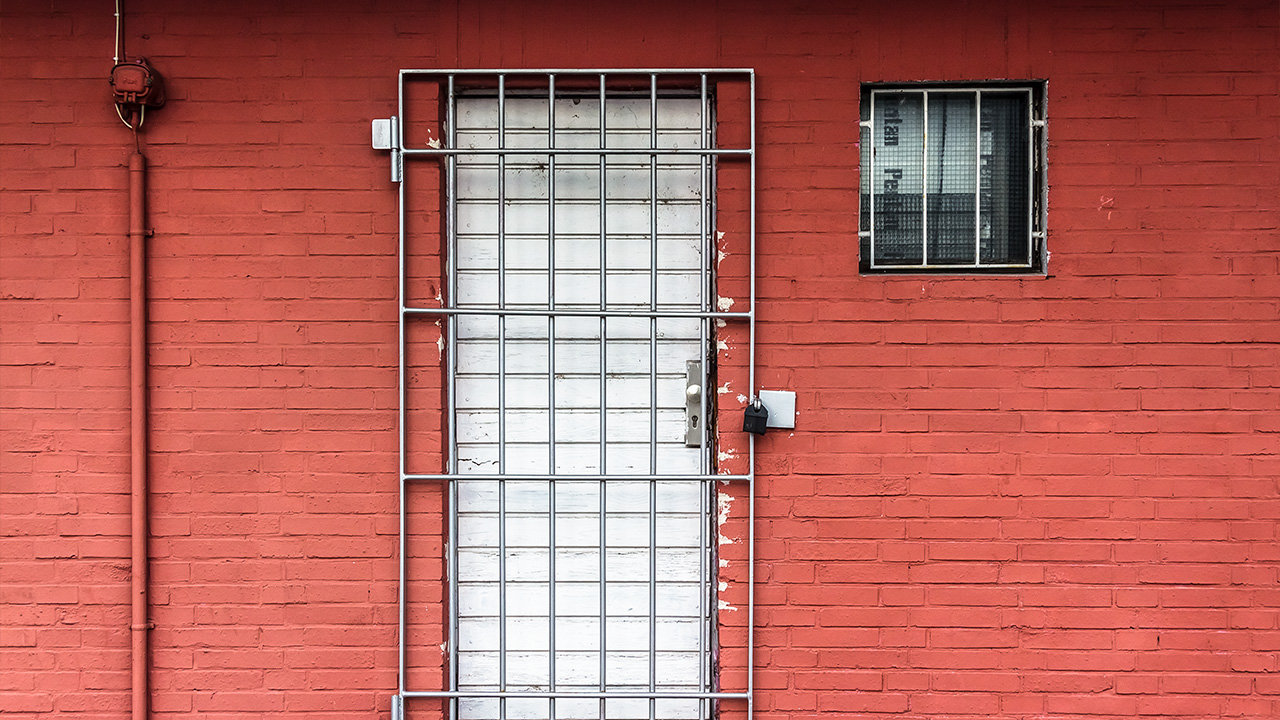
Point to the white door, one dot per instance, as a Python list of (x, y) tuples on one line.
[(582, 560)]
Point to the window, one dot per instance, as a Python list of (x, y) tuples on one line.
[(952, 178)]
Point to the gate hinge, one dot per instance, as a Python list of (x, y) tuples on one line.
[(386, 136), (397, 707)]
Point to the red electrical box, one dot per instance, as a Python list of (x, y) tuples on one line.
[(135, 82)]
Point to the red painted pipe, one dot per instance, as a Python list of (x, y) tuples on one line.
[(140, 623)]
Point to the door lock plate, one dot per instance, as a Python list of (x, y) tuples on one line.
[(694, 404)]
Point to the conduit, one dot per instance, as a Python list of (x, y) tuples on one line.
[(135, 86), (140, 623)]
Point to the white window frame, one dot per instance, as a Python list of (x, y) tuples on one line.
[(1037, 186)]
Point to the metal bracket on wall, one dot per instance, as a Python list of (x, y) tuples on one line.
[(386, 136)]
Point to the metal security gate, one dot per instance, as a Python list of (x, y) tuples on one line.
[(578, 315)]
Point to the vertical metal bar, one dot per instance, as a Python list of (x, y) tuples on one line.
[(751, 438), (1042, 180), (551, 276), (924, 182), (401, 393), (710, 491), (871, 185), (502, 400), (1031, 177), (977, 177), (604, 406), (551, 393), (451, 300), (653, 391), (502, 274), (604, 284), (451, 268), (705, 253), (653, 273)]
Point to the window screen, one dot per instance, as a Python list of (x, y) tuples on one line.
[(952, 179)]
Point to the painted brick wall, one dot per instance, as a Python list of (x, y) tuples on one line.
[(1005, 497)]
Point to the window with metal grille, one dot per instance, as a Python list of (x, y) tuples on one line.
[(952, 178)]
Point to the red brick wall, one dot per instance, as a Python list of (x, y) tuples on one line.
[(1006, 497)]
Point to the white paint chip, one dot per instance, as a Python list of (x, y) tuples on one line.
[(724, 503), (724, 303)]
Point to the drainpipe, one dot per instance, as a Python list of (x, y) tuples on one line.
[(140, 624)]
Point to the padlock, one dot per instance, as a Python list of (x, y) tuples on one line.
[(756, 418)]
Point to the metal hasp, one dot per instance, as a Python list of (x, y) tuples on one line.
[(781, 405), (695, 403), (577, 275)]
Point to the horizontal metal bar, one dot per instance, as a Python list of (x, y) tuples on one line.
[(496, 312), (968, 266), (595, 152), (615, 477), (590, 694), (925, 87), (582, 71)]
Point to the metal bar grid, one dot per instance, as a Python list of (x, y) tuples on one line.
[(1033, 189), (706, 155)]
